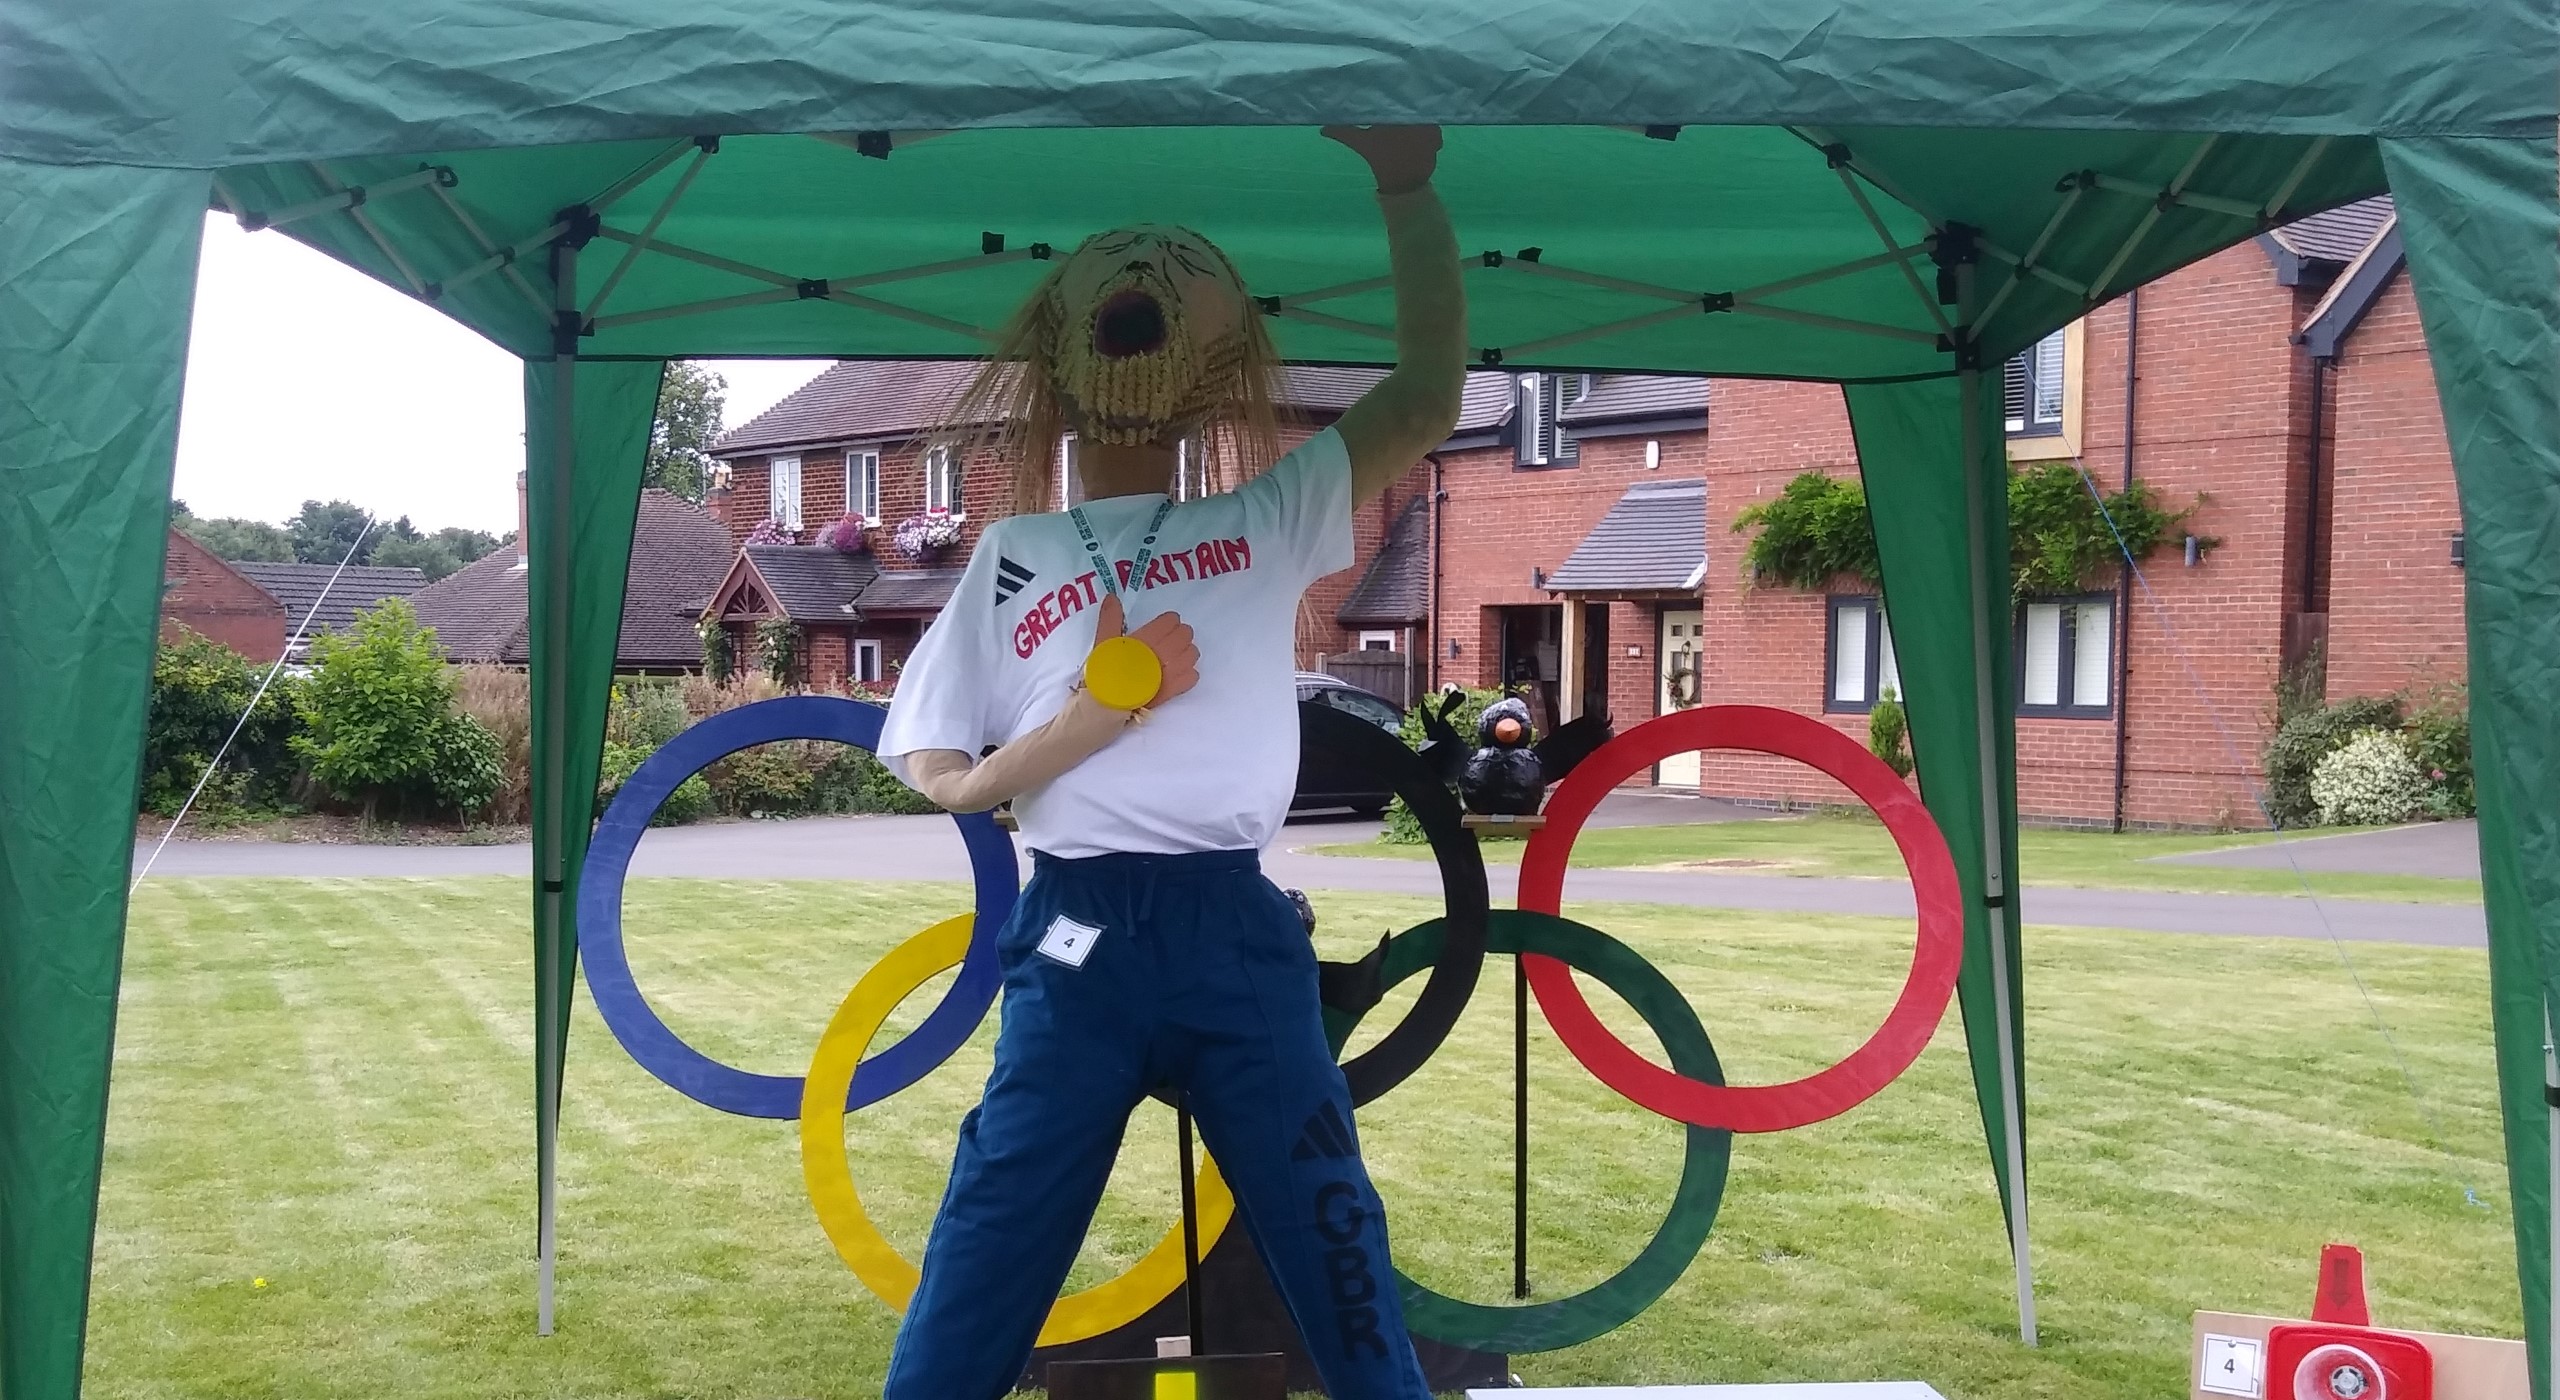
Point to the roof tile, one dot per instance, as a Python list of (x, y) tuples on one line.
[(1397, 584), (298, 586)]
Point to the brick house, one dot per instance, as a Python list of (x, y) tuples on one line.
[(2284, 379), (849, 451), (254, 607)]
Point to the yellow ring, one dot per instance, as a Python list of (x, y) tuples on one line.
[(1123, 672), (874, 1260)]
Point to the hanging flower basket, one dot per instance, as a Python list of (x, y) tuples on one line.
[(844, 536), (923, 538)]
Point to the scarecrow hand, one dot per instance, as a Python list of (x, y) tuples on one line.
[(1166, 634), (1401, 157)]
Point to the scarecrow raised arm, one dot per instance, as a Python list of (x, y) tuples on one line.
[(1411, 411)]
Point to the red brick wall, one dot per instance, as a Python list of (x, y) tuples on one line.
[(203, 595), (2395, 597)]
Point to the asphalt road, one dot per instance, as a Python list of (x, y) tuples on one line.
[(924, 848)]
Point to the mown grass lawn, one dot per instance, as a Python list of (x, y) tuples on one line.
[(1856, 845), (325, 1085)]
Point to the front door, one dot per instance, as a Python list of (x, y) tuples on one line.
[(1678, 685)]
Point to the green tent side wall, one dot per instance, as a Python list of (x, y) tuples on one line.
[(2482, 224), (97, 270), (1937, 487), (586, 437)]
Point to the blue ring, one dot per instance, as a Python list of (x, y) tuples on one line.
[(627, 1013)]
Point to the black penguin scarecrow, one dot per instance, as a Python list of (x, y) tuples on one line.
[(1506, 775)]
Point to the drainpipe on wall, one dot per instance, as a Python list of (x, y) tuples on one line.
[(1439, 507), (2124, 576)]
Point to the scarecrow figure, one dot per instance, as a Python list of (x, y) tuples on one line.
[(1131, 659)]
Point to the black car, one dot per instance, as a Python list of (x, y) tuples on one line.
[(1325, 780)]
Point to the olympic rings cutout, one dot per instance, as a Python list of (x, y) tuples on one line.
[(1075, 1317), (628, 1014), (1935, 959), (1616, 1300), (1453, 976)]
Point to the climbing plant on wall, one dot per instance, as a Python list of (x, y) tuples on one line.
[(1817, 530)]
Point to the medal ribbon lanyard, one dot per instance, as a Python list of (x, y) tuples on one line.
[(1137, 567)]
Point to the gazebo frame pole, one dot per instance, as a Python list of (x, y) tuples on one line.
[(550, 811), (1998, 908)]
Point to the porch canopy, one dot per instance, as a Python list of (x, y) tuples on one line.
[(1889, 195)]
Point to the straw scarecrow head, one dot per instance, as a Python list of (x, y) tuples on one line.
[(1142, 335)]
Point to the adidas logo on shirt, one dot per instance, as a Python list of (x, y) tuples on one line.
[(1325, 1136), (1011, 578)]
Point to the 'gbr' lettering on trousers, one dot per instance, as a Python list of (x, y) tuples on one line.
[(1341, 1219)]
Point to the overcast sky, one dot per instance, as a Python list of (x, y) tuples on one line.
[(307, 380)]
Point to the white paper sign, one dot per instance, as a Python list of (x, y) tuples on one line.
[(2231, 1366), (1070, 942)]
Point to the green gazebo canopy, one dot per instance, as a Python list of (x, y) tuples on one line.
[(1891, 196)]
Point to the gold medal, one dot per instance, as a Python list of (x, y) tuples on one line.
[(1123, 673)]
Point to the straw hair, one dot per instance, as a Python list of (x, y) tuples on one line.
[(1015, 408)]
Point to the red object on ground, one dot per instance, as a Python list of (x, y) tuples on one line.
[(1935, 960), (2330, 1361), (2341, 1297)]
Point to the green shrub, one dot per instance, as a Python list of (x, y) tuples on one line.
[(462, 769), (1889, 733), (378, 719), (1402, 828), (2308, 736), (768, 780), (646, 712), (2058, 537), (2367, 781), (2440, 741), (690, 802), (198, 689)]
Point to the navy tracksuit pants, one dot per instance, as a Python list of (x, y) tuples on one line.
[(1201, 979)]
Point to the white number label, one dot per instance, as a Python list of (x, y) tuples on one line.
[(2231, 1366)]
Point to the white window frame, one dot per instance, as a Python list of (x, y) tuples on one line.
[(879, 669), (1385, 639), (782, 503), (944, 488), (862, 484)]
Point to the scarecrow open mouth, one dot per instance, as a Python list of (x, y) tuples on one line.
[(1130, 323)]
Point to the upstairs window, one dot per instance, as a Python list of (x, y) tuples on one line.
[(2066, 656), (942, 483), (1191, 470), (2031, 389), (1070, 480), (1859, 668), (1537, 401), (783, 503), (862, 486)]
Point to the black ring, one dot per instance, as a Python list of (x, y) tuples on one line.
[(1465, 902)]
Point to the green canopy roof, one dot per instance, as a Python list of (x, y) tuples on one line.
[(1889, 195)]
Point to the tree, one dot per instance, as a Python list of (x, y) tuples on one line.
[(233, 538), (379, 722), (434, 555), (689, 406), (324, 531)]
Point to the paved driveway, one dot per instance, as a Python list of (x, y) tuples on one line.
[(924, 848)]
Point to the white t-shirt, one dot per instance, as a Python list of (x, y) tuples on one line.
[(1210, 770)]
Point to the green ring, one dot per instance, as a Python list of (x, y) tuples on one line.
[(1616, 1300)]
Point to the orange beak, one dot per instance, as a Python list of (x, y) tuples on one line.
[(1506, 731)]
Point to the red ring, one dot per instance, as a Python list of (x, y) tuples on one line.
[(1758, 1108)]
